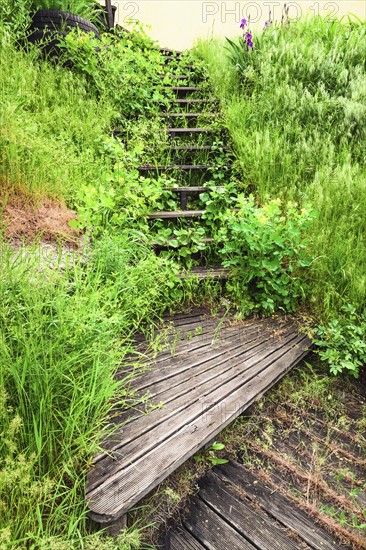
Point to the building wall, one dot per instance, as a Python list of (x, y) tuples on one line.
[(178, 23)]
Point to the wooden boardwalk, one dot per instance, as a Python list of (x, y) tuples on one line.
[(211, 371), (234, 509)]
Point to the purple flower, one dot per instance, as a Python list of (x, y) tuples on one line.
[(247, 37), (265, 25), (243, 23)]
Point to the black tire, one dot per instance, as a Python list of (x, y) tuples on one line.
[(58, 21)]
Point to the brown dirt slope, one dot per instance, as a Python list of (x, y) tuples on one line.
[(46, 220)]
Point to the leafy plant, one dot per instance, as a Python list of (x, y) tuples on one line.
[(265, 248), (118, 69), (342, 342), (210, 455)]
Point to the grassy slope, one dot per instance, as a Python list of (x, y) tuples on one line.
[(297, 115), (50, 126), (62, 332)]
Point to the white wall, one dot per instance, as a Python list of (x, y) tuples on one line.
[(176, 24)]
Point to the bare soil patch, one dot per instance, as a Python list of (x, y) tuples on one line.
[(46, 220)]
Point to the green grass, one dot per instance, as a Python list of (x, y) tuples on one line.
[(295, 107), (63, 334), (50, 126), (298, 126)]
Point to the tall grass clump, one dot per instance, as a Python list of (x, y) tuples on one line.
[(295, 105), (50, 126), (63, 333), (56, 116)]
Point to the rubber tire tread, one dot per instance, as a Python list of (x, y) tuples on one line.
[(52, 18)]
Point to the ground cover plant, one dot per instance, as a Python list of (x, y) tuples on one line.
[(294, 103)]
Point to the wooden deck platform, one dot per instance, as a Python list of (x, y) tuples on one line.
[(211, 370), (234, 509)]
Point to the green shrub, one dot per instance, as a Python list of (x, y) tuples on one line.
[(266, 251), (342, 342), (123, 69)]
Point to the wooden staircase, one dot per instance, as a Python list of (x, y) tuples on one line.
[(219, 367), (188, 108)]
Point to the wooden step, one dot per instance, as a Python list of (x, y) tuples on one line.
[(239, 507), (216, 272), (176, 214), (195, 148), (174, 131), (162, 168), (191, 101), (192, 189), (184, 114)]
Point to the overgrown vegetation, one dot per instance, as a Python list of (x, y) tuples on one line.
[(295, 107), (63, 334), (297, 127), (65, 329)]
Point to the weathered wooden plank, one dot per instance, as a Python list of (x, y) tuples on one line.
[(187, 101), (187, 378), (193, 188), (182, 374), (142, 366), (259, 528), (279, 507), (247, 333), (182, 540), (174, 344), (195, 130), (170, 366), (183, 88), (183, 167), (174, 405), (176, 214), (121, 491), (206, 273), (212, 531), (123, 419), (194, 148), (185, 314), (147, 432), (184, 114)]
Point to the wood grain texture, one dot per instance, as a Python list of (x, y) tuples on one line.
[(182, 540), (116, 484), (213, 531), (279, 507), (260, 529)]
